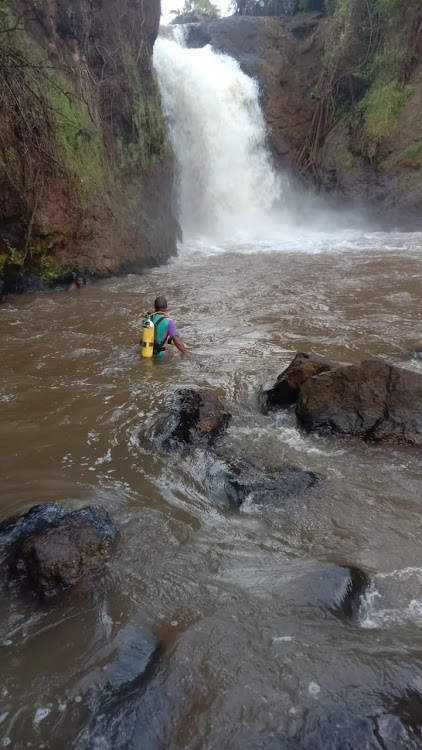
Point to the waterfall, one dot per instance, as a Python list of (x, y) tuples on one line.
[(225, 183)]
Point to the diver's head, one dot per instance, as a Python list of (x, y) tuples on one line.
[(160, 303)]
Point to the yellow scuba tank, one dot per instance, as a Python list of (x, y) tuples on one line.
[(147, 338)]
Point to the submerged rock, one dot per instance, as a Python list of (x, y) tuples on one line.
[(135, 648), (338, 729), (336, 588), (285, 391), (113, 687), (335, 728), (196, 417), (53, 549), (238, 480), (372, 400)]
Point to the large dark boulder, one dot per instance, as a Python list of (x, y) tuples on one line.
[(285, 390), (372, 400), (196, 417), (239, 480), (52, 550), (337, 589)]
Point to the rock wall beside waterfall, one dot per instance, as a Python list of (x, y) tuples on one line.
[(286, 55), (86, 170)]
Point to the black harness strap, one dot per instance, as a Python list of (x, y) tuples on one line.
[(159, 347)]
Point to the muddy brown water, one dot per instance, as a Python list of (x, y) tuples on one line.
[(79, 421)]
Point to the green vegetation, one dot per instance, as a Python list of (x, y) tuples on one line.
[(11, 256), (368, 59), (380, 108), (346, 157), (200, 7), (412, 155), (146, 143), (78, 136)]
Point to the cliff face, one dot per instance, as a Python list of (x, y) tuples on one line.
[(85, 167), (342, 102)]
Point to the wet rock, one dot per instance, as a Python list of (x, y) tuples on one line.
[(409, 708), (39, 517), (371, 400), (238, 480), (54, 557), (336, 588), (127, 657), (337, 730), (196, 417), (285, 391), (395, 735), (117, 685), (136, 648)]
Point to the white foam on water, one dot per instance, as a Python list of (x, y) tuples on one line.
[(402, 573), (394, 605), (40, 715)]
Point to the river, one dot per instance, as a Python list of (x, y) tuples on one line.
[(80, 414)]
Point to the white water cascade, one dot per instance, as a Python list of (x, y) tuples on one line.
[(225, 183)]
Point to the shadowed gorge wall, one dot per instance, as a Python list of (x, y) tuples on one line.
[(86, 170)]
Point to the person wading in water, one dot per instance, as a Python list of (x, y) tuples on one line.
[(77, 283), (165, 329)]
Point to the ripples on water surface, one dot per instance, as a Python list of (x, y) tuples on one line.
[(79, 412)]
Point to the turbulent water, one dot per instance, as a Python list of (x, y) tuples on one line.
[(238, 667)]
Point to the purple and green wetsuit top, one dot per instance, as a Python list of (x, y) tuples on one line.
[(165, 329)]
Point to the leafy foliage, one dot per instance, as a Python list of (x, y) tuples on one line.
[(380, 107), (367, 63), (201, 8)]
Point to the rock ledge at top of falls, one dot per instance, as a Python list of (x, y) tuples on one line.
[(371, 400), (53, 549), (196, 416)]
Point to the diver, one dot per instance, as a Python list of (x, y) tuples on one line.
[(77, 283), (164, 331)]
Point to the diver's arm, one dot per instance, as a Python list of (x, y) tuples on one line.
[(177, 341)]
